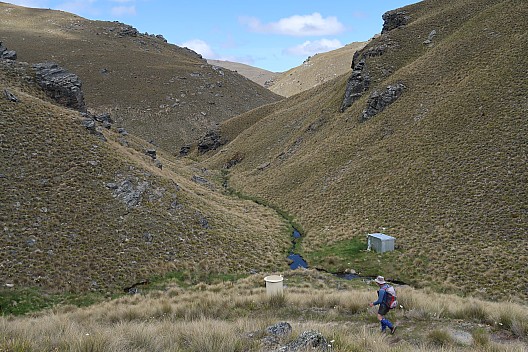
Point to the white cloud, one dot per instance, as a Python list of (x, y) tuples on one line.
[(119, 11), (309, 48), (200, 47), (297, 25)]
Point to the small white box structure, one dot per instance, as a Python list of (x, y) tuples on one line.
[(380, 242), (274, 285)]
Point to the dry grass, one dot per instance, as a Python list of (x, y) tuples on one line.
[(64, 230), (156, 90), (232, 317), (443, 169), (315, 70)]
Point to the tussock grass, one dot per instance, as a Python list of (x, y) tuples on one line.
[(164, 93), (442, 169), (220, 317), (64, 230)]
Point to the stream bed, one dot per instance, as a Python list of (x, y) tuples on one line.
[(297, 260)]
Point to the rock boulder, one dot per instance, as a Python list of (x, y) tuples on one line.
[(378, 101), (357, 84), (7, 54), (394, 19), (62, 86)]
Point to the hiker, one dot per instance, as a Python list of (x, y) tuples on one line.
[(384, 306)]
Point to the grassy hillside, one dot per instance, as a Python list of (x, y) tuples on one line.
[(79, 214), (255, 74), (235, 316), (443, 169), (158, 91), (315, 70)]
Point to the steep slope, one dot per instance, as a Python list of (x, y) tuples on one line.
[(159, 91), (78, 213), (255, 74), (315, 70), (443, 169)]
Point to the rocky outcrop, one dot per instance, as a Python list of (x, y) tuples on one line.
[(62, 86), (7, 54), (308, 340), (127, 192), (126, 30), (280, 329), (210, 141), (394, 19), (358, 82), (185, 150), (274, 338), (378, 101)]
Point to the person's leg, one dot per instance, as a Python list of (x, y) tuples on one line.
[(381, 320), (384, 309), (387, 323)]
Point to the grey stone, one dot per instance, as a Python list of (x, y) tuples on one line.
[(377, 101), (203, 221), (151, 153), (127, 31), (308, 340), (210, 141), (7, 54), (394, 19), (199, 179), (60, 85), (10, 96), (104, 117), (430, 37), (280, 329), (263, 166), (148, 237), (89, 123), (185, 150), (357, 84), (130, 194)]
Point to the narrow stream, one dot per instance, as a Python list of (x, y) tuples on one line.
[(297, 260)]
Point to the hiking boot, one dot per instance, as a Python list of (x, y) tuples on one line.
[(392, 330)]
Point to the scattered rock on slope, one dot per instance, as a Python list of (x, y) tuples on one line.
[(7, 54)]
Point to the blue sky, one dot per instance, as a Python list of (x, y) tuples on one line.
[(270, 34)]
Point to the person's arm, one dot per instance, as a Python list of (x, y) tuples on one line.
[(381, 296)]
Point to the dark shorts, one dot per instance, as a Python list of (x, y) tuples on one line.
[(383, 309)]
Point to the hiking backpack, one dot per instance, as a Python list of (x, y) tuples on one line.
[(390, 297)]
